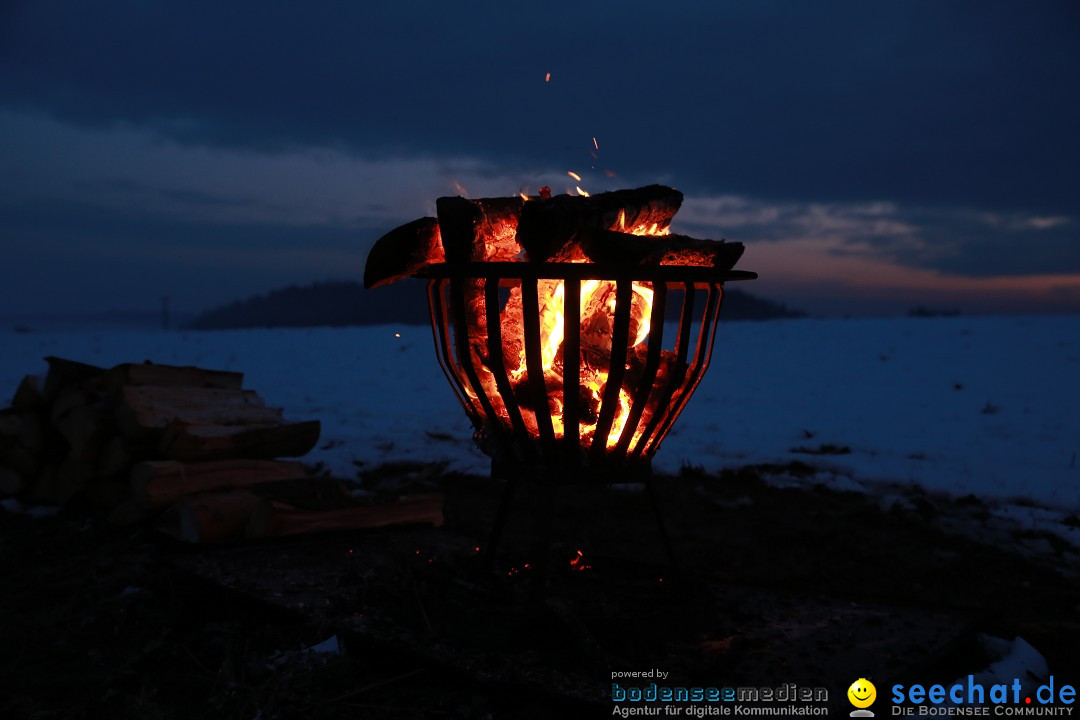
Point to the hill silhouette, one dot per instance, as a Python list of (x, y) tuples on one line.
[(338, 304)]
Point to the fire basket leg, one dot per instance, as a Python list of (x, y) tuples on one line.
[(542, 549), (488, 560), (660, 524)]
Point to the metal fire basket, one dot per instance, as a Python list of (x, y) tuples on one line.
[(455, 287), (469, 345)]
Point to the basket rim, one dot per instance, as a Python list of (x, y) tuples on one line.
[(582, 271)]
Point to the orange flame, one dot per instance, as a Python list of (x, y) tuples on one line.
[(597, 302), (581, 192), (596, 313)]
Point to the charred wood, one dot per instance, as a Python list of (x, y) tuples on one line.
[(483, 230), (624, 250), (548, 227), (403, 251)]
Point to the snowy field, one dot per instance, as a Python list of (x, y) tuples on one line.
[(960, 405)]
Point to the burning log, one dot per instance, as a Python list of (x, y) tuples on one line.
[(608, 228), (624, 250), (403, 251), (483, 230), (548, 227)]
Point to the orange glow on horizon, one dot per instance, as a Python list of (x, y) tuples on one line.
[(834, 268)]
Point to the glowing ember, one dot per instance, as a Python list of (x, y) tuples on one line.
[(574, 175), (577, 563), (597, 312), (600, 363)]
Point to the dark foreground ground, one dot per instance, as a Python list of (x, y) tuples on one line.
[(808, 585)]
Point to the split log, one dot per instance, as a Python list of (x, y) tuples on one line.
[(10, 426), (66, 373), (107, 493), (482, 230), (403, 251), (42, 488), (143, 412), (11, 482), (118, 454), (29, 396), (127, 512), (216, 442), (170, 376), (623, 250), (86, 429), (307, 493), (73, 475), (156, 484), (33, 432), (275, 519), (548, 226), (210, 518), (16, 457), (67, 399)]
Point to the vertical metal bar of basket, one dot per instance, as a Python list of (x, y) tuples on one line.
[(534, 364), (497, 367), (649, 439), (441, 334), (648, 374), (702, 354), (571, 371), (464, 352), (620, 340)]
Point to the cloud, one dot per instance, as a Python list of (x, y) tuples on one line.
[(957, 241), (920, 103), (121, 205), (860, 258)]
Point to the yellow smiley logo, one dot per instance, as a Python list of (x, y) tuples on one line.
[(862, 693)]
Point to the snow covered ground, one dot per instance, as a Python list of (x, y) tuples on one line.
[(982, 405)]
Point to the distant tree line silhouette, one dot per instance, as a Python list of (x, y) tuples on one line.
[(338, 304)]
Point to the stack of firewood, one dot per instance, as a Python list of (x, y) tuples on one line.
[(187, 446)]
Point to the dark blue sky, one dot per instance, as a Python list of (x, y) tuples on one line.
[(872, 156)]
